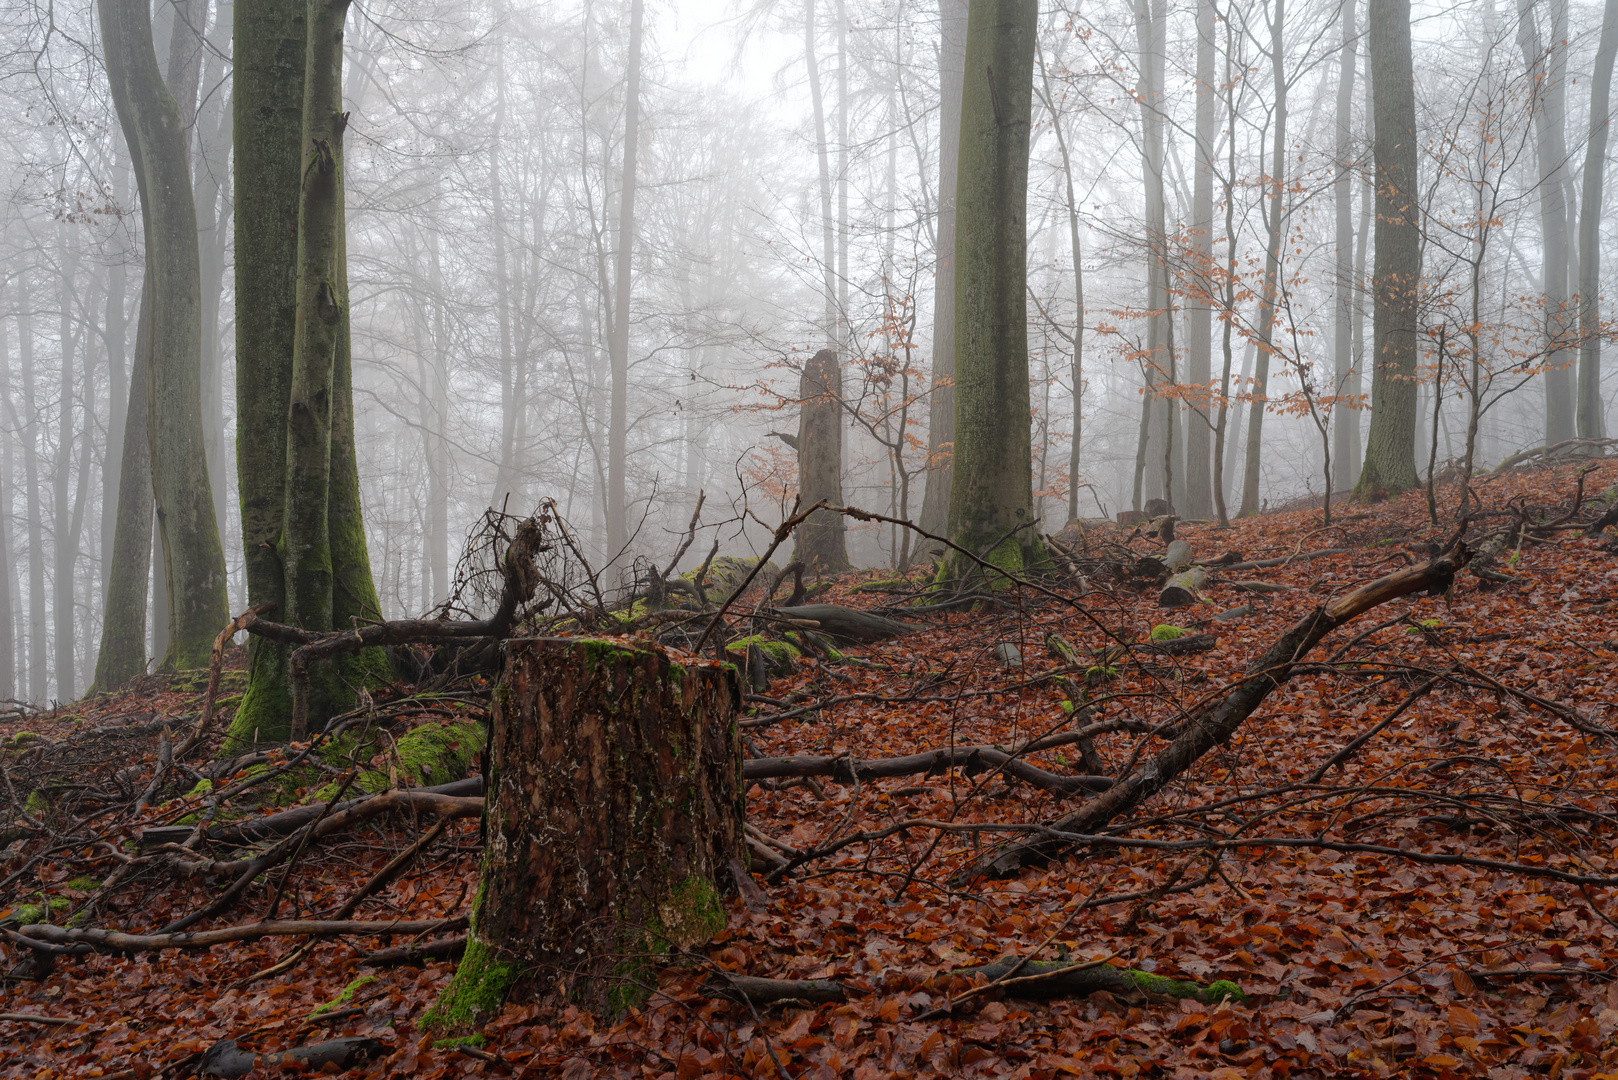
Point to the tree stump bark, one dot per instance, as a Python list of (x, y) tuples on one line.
[(614, 812)]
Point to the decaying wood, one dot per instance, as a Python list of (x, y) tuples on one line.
[(1259, 586), (226, 1059), (1565, 446), (1183, 588), (848, 624), (216, 664), (1031, 980), (84, 940), (1217, 722), (973, 759), (1284, 560), (450, 948)]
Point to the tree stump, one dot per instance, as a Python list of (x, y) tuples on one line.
[(614, 812)]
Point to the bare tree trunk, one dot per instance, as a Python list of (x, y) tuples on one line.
[(1591, 422), (1345, 375), (941, 407), (1199, 347), (828, 231), (66, 549), (1548, 63), (1272, 268), (8, 619), (1390, 445), (618, 422), (820, 541), (1156, 416), (1076, 373), (38, 667), (152, 122)]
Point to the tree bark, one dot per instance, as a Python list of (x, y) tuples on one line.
[(153, 126), (1345, 373), (1199, 330), (821, 540), (941, 407), (1390, 444), (65, 541), (618, 420), (615, 810), (8, 623), (1272, 270), (1591, 421), (992, 482), (1547, 63)]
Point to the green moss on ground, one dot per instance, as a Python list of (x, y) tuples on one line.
[(22, 740), (1166, 632), (345, 997), (85, 883), (458, 1040), (27, 914), (779, 654)]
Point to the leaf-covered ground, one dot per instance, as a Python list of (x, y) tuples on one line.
[(1443, 901)]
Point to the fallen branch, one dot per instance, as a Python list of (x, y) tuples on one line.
[(450, 948), (226, 1059), (80, 940), (1215, 723), (973, 759), (216, 664)]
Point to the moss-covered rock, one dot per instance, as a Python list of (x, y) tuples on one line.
[(779, 655), (22, 740), (727, 573), (1166, 632)]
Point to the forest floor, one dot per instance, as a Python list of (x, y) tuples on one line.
[(1444, 902)]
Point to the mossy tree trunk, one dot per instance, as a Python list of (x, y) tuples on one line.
[(1390, 444), (992, 484), (614, 813), (820, 541), (154, 129), (305, 554)]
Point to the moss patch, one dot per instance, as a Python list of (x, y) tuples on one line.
[(478, 989), (778, 654), (1211, 994), (690, 916), (345, 997), (1166, 632), (22, 740)]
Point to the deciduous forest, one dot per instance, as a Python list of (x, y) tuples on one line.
[(834, 538)]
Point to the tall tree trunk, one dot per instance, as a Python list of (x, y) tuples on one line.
[(615, 794), (213, 188), (29, 424), (1390, 445), (618, 421), (65, 544), (1156, 413), (1548, 65), (116, 334), (269, 42), (1345, 375), (1076, 372), (8, 618), (123, 623), (820, 541), (941, 406), (1199, 329), (511, 401), (193, 560), (828, 227), (1272, 269), (1591, 422), (992, 490)]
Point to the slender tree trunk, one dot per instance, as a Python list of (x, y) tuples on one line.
[(1345, 418), (1591, 422), (1390, 445), (941, 406), (1199, 329), (1548, 65), (993, 477), (1149, 28), (116, 335), (29, 424), (65, 549), (618, 421), (828, 228), (820, 541), (1234, 446), (8, 618), (1272, 269), (1076, 372), (193, 560), (511, 402)]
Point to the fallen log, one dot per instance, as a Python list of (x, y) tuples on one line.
[(1567, 445), (82, 940), (1283, 560), (849, 624), (1215, 723), (226, 1059), (1031, 980), (1178, 556), (1259, 586), (1183, 588), (240, 833), (973, 759), (450, 948)]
